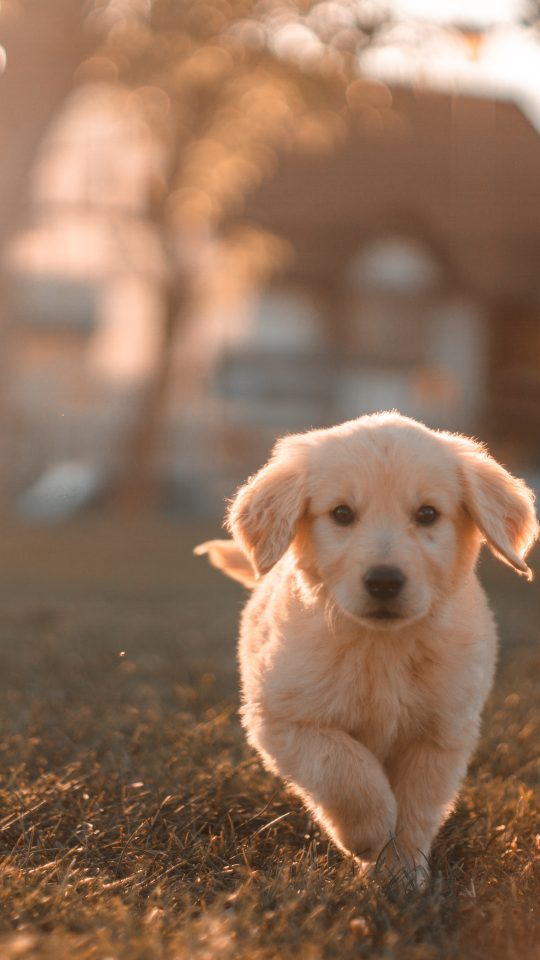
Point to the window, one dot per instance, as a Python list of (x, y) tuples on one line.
[(387, 284), (414, 343)]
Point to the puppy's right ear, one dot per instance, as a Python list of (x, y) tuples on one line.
[(265, 512)]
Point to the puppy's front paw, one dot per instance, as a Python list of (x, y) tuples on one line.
[(394, 863), (367, 834)]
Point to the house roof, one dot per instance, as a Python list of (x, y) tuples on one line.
[(461, 171)]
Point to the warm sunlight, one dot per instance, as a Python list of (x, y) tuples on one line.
[(484, 52), (482, 13)]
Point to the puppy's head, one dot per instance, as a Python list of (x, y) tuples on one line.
[(384, 514)]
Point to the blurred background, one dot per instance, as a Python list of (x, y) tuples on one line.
[(224, 220)]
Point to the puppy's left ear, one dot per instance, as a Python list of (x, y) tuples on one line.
[(265, 512), (501, 506)]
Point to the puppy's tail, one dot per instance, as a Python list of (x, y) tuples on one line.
[(228, 557)]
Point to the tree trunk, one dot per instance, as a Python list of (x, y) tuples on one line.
[(135, 488)]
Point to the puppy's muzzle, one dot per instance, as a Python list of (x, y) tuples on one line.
[(384, 582)]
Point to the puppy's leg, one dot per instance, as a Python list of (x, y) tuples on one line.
[(339, 779), (425, 779)]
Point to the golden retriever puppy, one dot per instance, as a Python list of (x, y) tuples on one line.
[(367, 648)]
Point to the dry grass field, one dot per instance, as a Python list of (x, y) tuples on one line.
[(134, 821)]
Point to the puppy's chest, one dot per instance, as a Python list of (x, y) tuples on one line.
[(374, 697)]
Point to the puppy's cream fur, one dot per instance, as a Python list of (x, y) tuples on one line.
[(371, 721)]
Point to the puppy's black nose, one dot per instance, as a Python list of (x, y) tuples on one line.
[(384, 583)]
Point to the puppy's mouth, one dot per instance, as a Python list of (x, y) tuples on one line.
[(383, 614)]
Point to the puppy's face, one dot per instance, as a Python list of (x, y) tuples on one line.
[(383, 513), (384, 529)]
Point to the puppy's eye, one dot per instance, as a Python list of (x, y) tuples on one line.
[(342, 515), (426, 515)]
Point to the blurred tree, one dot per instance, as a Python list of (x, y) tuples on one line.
[(226, 85)]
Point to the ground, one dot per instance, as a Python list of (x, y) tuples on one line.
[(134, 821)]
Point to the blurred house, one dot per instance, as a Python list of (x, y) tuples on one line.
[(413, 284)]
